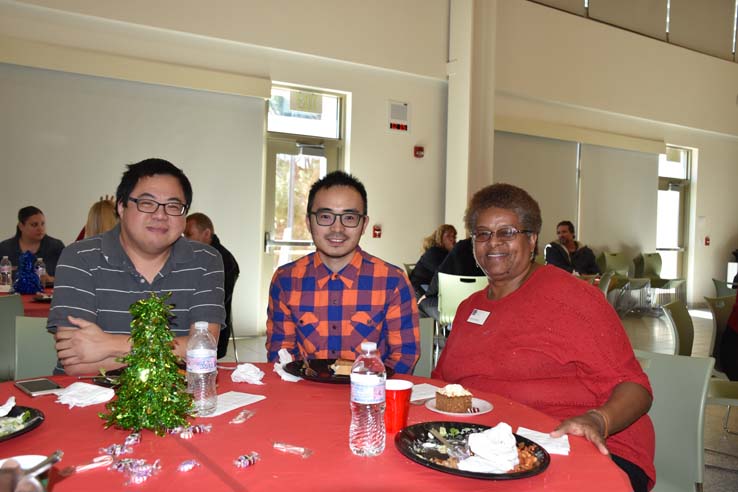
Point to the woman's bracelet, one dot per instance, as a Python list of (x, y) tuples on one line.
[(605, 421)]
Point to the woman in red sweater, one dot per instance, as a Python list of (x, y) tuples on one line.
[(542, 337)]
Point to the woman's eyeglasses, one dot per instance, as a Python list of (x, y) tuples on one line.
[(506, 233)]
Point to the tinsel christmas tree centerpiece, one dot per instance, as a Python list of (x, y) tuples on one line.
[(151, 393)]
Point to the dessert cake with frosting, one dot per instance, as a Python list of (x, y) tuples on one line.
[(453, 398)]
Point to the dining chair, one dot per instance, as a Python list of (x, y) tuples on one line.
[(452, 289), (428, 356), (720, 307), (616, 262), (605, 281), (679, 386), (723, 392), (10, 307), (634, 297), (724, 289), (35, 354), (409, 267), (682, 328)]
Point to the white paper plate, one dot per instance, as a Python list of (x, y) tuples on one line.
[(25, 461), (483, 406)]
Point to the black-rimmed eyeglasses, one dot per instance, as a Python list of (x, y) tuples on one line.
[(348, 219), (503, 234), (149, 206)]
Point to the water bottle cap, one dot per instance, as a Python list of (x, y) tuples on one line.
[(368, 346), (201, 325)]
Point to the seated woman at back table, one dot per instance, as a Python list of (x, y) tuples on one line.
[(435, 248), (542, 337), (101, 218), (30, 235)]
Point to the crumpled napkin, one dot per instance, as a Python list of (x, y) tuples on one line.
[(495, 450), (84, 394), (285, 358), (554, 445), (7, 406), (247, 373)]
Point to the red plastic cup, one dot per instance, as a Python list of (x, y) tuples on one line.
[(398, 403)]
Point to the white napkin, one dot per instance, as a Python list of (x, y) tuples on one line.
[(285, 358), (7, 406), (554, 445), (495, 450), (247, 373), (423, 391), (233, 399), (84, 394)]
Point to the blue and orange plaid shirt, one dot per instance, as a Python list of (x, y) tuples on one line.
[(319, 314)]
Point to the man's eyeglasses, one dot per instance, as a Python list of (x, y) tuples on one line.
[(348, 219), (148, 206), (506, 233)]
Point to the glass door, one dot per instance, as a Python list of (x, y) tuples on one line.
[(294, 164)]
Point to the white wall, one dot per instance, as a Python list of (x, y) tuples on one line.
[(405, 193)]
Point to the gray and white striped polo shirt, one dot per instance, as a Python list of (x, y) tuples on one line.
[(96, 281)]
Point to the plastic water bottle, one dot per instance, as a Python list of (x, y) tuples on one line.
[(367, 432), (6, 275), (201, 370), (40, 268)]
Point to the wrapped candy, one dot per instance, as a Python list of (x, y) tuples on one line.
[(187, 431), (292, 449), (188, 465), (124, 464), (133, 439), (116, 450), (140, 472), (242, 416), (246, 460)]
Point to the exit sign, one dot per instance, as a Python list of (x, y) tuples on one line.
[(306, 102)]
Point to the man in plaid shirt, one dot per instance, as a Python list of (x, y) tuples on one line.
[(325, 304)]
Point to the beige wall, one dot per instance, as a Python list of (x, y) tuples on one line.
[(409, 35), (559, 69), (405, 193)]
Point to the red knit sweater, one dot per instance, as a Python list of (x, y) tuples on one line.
[(554, 344)]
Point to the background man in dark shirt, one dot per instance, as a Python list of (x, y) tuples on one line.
[(200, 228), (568, 254)]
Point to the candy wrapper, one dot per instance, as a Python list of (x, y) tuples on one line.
[(188, 431), (188, 465), (242, 416), (292, 449), (247, 460)]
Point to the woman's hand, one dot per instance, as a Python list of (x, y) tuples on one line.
[(589, 425)]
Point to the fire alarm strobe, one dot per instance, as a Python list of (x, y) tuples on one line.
[(419, 151)]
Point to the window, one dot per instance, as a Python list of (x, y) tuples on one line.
[(671, 209), (304, 113)]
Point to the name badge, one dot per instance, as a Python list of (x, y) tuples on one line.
[(478, 317)]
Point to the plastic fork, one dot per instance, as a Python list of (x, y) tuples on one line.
[(458, 451)]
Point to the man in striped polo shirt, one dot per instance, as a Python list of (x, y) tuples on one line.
[(99, 278), (325, 304)]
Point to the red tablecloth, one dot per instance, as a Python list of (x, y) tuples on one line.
[(306, 413), (35, 309)]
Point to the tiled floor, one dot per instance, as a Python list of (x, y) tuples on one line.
[(645, 333)]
